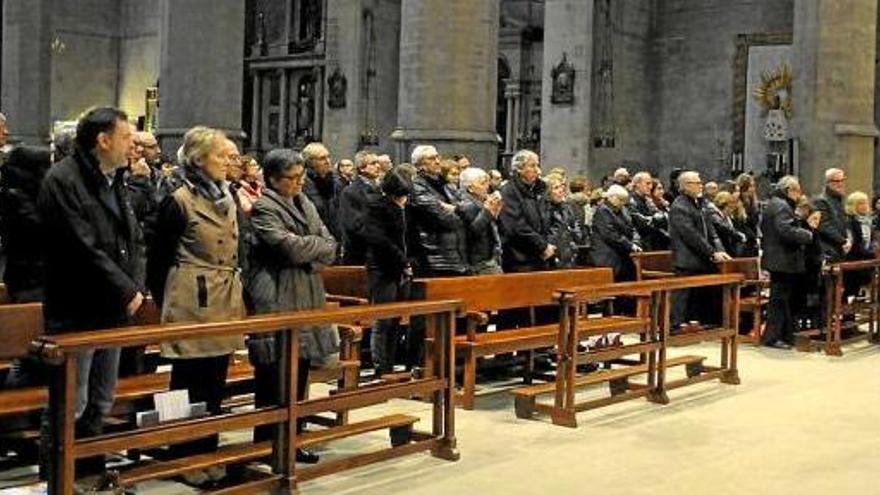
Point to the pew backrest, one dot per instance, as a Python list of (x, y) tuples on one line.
[(346, 281), (653, 264), (20, 324)]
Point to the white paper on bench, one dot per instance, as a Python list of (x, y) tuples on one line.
[(172, 405)]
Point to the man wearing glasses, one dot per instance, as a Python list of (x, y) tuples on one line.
[(832, 229)]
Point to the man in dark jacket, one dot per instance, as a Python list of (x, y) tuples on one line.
[(479, 211), (92, 240), (695, 250), (832, 230), (614, 235), (352, 205), (438, 233), (523, 224), (784, 243), (647, 219), (320, 186)]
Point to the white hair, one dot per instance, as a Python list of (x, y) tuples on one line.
[(421, 152), (521, 158), (641, 176), (617, 191), (830, 173), (621, 171), (685, 177), (787, 182), (2, 118), (470, 175)]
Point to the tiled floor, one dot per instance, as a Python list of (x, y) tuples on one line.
[(804, 424)]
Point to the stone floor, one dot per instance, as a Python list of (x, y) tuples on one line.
[(799, 423)]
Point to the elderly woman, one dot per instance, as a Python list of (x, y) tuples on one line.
[(860, 229), (193, 275), (293, 246), (724, 208), (614, 235), (479, 211), (250, 185), (565, 232)]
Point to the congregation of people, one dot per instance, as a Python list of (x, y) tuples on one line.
[(212, 234)]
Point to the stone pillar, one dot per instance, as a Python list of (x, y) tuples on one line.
[(448, 78), (565, 128), (27, 69), (512, 95), (834, 52), (202, 67)]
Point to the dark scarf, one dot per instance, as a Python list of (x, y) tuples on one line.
[(216, 192)]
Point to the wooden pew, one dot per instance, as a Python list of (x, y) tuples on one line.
[(346, 284), (753, 301), (484, 294), (60, 352), (863, 310), (653, 264), (574, 326)]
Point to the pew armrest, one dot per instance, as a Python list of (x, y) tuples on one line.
[(347, 300)]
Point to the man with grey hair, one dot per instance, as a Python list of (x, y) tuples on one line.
[(523, 225), (353, 204), (695, 248), (621, 177), (649, 221), (438, 232), (832, 231), (320, 185), (784, 255), (614, 236)]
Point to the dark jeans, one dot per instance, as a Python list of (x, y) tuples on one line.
[(780, 309), (415, 337), (266, 393), (205, 380), (386, 332)]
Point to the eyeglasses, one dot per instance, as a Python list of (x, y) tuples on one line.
[(838, 180)]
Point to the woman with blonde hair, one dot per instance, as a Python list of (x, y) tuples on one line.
[(860, 231), (564, 231)]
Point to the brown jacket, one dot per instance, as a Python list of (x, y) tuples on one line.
[(203, 283)]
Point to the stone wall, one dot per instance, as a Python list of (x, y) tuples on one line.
[(139, 53)]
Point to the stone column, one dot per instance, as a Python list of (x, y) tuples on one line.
[(565, 128), (448, 72), (834, 86), (27, 69), (202, 67)]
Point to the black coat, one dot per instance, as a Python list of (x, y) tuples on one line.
[(384, 236), (95, 259), (649, 222), (20, 222), (352, 205), (483, 239), (862, 249), (565, 233), (613, 241), (833, 226), (438, 233), (323, 193), (785, 240), (731, 238), (693, 239), (524, 227)]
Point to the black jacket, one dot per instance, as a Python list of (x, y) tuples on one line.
[(693, 239), (649, 222), (731, 238), (833, 226), (862, 248), (384, 236), (785, 240), (95, 259), (524, 228), (483, 239), (438, 233), (20, 222), (613, 241), (564, 232), (352, 205), (323, 193)]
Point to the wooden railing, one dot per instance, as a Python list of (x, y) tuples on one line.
[(60, 352)]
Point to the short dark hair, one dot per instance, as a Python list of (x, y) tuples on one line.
[(278, 161), (93, 123), (397, 183)]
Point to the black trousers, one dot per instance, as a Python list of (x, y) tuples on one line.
[(702, 304), (205, 380), (386, 333), (266, 393), (781, 308)]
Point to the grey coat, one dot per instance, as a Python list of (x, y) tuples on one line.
[(293, 246)]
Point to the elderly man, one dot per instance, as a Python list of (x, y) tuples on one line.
[(385, 165), (346, 173), (784, 244), (320, 185), (437, 231), (649, 221), (479, 210), (353, 204), (621, 177), (696, 248), (614, 235), (523, 223), (832, 230)]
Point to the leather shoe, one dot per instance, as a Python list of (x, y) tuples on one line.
[(780, 345), (306, 457)]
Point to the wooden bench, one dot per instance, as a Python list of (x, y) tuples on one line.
[(485, 294), (753, 298), (60, 352), (842, 317), (656, 340), (653, 264), (346, 284)]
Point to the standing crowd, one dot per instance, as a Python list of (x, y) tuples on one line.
[(104, 219)]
